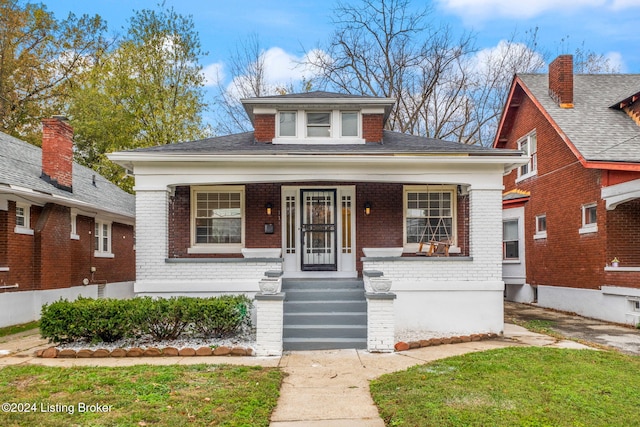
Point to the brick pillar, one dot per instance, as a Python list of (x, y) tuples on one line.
[(381, 325), (561, 80), (152, 208), (57, 152), (270, 321)]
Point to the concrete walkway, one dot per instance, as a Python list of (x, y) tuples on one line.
[(322, 388)]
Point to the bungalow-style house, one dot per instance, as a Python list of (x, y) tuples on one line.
[(65, 231), (320, 194), (572, 214)]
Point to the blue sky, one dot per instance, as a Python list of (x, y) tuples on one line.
[(287, 27)]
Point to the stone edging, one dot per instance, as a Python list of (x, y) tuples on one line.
[(403, 346), (53, 352)]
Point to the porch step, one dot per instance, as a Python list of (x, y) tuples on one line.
[(321, 314), (301, 344)]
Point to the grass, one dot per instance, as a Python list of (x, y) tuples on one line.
[(10, 330), (140, 395), (514, 387)]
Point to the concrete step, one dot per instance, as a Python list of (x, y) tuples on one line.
[(325, 307), (326, 318), (301, 344), (324, 331), (290, 284), (324, 294)]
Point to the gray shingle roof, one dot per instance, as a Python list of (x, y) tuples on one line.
[(21, 165), (317, 94), (393, 143), (599, 132)]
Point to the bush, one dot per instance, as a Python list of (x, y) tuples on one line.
[(220, 317), (109, 320), (87, 319)]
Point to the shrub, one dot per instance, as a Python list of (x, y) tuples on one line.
[(163, 319), (220, 317), (109, 320), (87, 319)]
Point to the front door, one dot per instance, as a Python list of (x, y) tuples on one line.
[(318, 230)]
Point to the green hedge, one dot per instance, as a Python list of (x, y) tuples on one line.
[(108, 320)]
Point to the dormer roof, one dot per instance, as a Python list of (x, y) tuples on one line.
[(317, 100)]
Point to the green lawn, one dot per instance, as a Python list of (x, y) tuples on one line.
[(140, 395), (515, 387), (10, 330)]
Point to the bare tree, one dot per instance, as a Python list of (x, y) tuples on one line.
[(444, 88)]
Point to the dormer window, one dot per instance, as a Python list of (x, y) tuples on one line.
[(349, 121), (319, 125), (287, 123)]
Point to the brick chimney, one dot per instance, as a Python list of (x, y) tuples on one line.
[(57, 152), (561, 80)]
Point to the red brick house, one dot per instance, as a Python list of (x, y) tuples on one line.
[(575, 207), (65, 231), (320, 194)]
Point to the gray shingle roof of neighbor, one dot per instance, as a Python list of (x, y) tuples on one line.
[(21, 165), (393, 143), (599, 132), (318, 94)]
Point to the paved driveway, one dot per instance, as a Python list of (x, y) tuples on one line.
[(572, 326)]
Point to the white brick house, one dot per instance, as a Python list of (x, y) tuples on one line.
[(311, 193)]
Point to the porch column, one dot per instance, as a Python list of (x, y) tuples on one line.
[(381, 325), (485, 232), (270, 320), (152, 207)]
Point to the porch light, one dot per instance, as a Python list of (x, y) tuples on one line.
[(367, 208), (268, 207)]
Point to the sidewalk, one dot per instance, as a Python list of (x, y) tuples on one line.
[(322, 388)]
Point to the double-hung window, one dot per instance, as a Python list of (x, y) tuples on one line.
[(217, 219), (510, 241), (319, 124), (429, 215), (102, 239), (529, 144)]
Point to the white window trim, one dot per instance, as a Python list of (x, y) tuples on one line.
[(217, 248), (511, 260), (24, 229), (413, 247), (588, 228), (540, 234), (98, 252), (335, 128), (532, 171), (74, 225)]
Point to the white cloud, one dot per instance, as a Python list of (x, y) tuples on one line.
[(213, 74), (474, 10), (616, 62), (624, 4)]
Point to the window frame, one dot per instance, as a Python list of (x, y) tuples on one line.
[(335, 127), (25, 228), (99, 235), (329, 125), (532, 165), (517, 240), (452, 189), (203, 248), (541, 234), (295, 124), (74, 225), (588, 227)]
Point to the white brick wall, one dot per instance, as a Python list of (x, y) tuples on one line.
[(155, 276), (380, 324), (269, 323)]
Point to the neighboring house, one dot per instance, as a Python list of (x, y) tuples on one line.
[(576, 205), (65, 231), (310, 193)]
